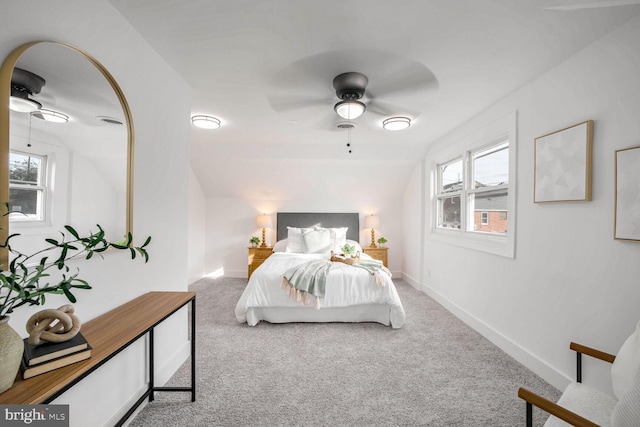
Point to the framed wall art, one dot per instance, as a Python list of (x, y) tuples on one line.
[(627, 197), (562, 165)]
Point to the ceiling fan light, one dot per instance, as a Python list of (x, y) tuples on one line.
[(205, 122), (23, 105), (396, 123), (350, 109), (50, 116)]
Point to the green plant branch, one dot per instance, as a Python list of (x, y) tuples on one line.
[(22, 284)]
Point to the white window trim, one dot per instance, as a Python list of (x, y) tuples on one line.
[(42, 186), (503, 245), (484, 217), (57, 178)]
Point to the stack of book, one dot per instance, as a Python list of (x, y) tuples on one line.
[(46, 357)]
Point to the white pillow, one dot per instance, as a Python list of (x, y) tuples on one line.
[(626, 364), (280, 246), (294, 239), (317, 241), (626, 413), (338, 237)]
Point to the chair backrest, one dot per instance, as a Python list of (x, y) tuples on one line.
[(626, 364), (626, 413)]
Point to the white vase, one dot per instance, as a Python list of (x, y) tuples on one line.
[(11, 348)]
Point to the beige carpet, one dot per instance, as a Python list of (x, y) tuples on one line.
[(435, 371)]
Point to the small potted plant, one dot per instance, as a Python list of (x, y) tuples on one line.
[(382, 241), (254, 240), (349, 250)]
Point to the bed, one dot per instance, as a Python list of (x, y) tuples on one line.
[(351, 294)]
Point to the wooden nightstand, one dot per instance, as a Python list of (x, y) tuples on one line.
[(256, 257), (378, 253)]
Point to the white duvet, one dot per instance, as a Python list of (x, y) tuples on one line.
[(346, 286)]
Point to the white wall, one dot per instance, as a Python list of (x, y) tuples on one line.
[(232, 221), (197, 228), (570, 280), (160, 103), (413, 230)]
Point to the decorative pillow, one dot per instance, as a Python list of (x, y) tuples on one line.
[(626, 364), (626, 413), (294, 239), (338, 237), (317, 241), (280, 246)]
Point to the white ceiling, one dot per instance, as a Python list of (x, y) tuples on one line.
[(241, 57)]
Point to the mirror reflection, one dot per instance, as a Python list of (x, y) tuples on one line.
[(68, 161)]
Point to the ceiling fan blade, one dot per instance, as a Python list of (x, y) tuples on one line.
[(389, 110), (289, 103), (408, 79)]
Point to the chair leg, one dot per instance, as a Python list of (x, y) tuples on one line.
[(578, 367), (529, 414)]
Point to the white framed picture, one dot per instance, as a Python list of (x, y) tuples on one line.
[(562, 165), (627, 197)]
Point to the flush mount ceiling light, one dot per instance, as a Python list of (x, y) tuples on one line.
[(50, 116), (350, 109), (23, 84), (396, 123), (205, 122)]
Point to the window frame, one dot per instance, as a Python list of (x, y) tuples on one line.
[(484, 218), (57, 178), (42, 186), (483, 138)]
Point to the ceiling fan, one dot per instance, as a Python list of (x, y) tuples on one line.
[(23, 85), (392, 87)]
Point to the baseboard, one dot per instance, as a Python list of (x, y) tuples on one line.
[(236, 274), (530, 361), (410, 280), (167, 370), (162, 375)]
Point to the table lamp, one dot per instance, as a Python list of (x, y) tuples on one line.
[(264, 221), (372, 222)]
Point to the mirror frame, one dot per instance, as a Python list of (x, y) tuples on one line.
[(6, 71)]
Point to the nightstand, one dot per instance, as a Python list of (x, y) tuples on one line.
[(256, 257), (378, 253)]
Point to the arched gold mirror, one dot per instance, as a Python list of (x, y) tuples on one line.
[(78, 171)]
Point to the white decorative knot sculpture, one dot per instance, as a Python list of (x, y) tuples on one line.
[(41, 326)]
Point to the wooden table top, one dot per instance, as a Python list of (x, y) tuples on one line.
[(107, 334)]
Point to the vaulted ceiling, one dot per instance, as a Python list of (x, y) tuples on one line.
[(265, 69)]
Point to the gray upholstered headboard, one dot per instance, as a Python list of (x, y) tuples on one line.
[(327, 220)]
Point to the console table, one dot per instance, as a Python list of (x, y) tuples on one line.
[(108, 335)]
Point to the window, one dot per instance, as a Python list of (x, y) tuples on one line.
[(450, 190), (484, 218), (27, 186), (467, 201), (474, 190), (489, 188)]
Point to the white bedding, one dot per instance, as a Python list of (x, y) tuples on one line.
[(351, 295)]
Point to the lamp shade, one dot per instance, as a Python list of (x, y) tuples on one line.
[(371, 221), (264, 221), (350, 109), (23, 105)]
